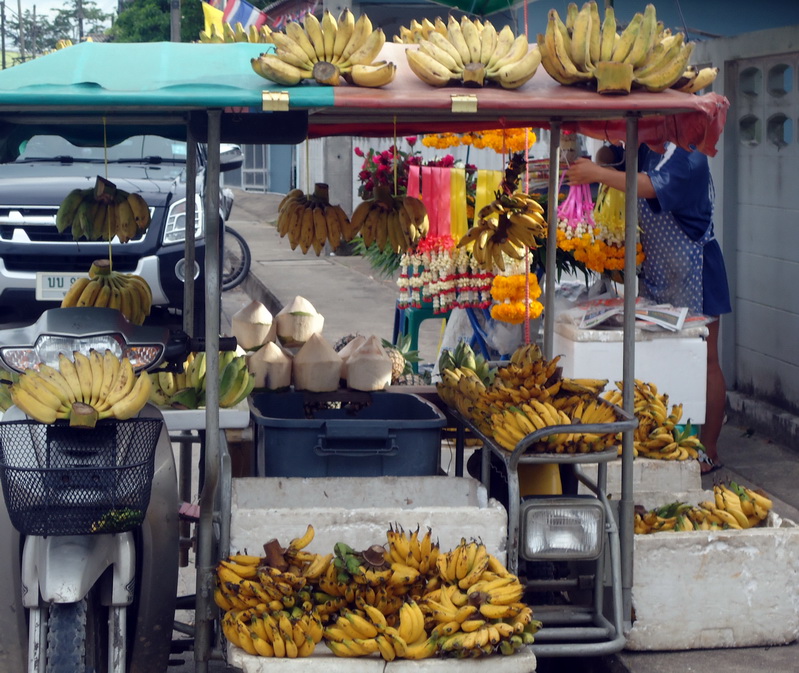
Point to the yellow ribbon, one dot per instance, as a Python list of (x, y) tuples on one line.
[(488, 182), (458, 219)]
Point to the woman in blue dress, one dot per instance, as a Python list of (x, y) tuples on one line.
[(683, 263)]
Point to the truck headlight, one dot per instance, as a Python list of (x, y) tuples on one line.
[(175, 229), (561, 528)]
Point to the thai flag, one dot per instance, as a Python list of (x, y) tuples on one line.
[(241, 11)]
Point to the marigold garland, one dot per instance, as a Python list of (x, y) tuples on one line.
[(501, 141), (514, 304)]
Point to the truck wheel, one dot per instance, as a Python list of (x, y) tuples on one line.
[(73, 630)]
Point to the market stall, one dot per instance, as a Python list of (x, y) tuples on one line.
[(209, 93)]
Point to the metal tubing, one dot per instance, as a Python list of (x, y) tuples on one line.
[(626, 504), (552, 237), (188, 252), (204, 612)]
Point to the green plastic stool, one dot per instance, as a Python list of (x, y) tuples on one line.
[(409, 320)]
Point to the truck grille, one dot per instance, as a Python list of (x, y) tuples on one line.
[(37, 223)]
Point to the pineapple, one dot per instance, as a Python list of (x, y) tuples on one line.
[(402, 358)]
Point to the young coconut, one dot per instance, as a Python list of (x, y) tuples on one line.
[(317, 366), (250, 325), (348, 349), (296, 322), (369, 367), (271, 365)]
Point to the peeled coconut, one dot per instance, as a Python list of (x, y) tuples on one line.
[(317, 366), (369, 366), (295, 323), (250, 325), (271, 365), (348, 349)]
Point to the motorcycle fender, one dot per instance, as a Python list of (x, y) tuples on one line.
[(64, 569)]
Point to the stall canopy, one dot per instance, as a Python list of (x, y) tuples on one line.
[(177, 80)]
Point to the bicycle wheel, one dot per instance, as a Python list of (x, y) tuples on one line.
[(236, 259)]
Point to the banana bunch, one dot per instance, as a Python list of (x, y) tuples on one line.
[(6, 379), (310, 221), (361, 633), (186, 389), (126, 292), (513, 424), (409, 549), (472, 52), (657, 435), (694, 80), (237, 33), (733, 507), (508, 226), (103, 212), (82, 389), (327, 51), (62, 43), (416, 31), (282, 633), (585, 49), (387, 220), (463, 356)]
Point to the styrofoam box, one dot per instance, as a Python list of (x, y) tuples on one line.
[(655, 482), (325, 661), (359, 510), (733, 588), (675, 362)]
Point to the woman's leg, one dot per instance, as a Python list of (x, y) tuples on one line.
[(716, 396)]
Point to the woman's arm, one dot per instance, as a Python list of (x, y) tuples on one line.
[(584, 171)]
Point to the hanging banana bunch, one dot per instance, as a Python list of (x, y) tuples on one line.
[(310, 220), (328, 51), (102, 213), (398, 221), (472, 52), (586, 50)]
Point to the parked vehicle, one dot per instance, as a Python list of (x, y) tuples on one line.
[(39, 263), (89, 580)]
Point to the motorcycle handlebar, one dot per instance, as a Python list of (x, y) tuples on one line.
[(181, 344)]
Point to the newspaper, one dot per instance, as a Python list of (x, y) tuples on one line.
[(609, 311)]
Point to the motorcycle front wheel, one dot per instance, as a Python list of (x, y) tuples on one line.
[(75, 638), (236, 259)]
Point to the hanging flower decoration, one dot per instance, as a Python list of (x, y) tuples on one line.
[(516, 298), (502, 141)]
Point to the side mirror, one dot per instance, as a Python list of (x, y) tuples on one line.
[(230, 157)]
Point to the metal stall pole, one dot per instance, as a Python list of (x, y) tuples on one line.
[(189, 254), (204, 608), (626, 505), (552, 237)]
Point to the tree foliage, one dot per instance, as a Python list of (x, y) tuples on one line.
[(41, 32), (149, 21)]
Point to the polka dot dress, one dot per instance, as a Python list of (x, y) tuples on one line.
[(672, 268)]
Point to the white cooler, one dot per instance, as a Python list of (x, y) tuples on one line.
[(676, 362)]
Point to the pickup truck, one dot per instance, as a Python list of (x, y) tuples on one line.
[(37, 263)]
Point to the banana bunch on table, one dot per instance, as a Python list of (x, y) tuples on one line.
[(329, 51), (473, 52), (105, 288), (103, 212), (82, 389), (584, 49), (236, 33)]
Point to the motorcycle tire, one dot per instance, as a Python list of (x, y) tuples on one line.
[(236, 259), (73, 630)]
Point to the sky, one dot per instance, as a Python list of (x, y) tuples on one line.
[(46, 6)]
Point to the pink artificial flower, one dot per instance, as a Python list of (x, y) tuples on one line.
[(411, 140), (358, 152)]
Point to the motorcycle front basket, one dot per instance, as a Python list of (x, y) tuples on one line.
[(62, 480)]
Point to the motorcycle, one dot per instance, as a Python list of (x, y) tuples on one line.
[(90, 516)]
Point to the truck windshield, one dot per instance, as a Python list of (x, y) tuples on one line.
[(139, 149)]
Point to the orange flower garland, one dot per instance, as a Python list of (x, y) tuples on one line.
[(500, 140), (509, 292)]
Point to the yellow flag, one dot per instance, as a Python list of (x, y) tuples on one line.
[(213, 19), (458, 219)]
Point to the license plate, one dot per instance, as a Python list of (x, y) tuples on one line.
[(52, 286)]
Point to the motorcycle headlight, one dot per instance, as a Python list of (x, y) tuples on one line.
[(47, 349), (175, 230), (562, 528)]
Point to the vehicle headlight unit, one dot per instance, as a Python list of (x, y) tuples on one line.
[(175, 230), (561, 528), (47, 348)]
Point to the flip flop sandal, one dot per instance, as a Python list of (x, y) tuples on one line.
[(704, 459)]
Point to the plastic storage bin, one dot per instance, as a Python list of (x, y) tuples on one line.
[(346, 435)]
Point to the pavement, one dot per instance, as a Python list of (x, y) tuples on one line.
[(354, 299)]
